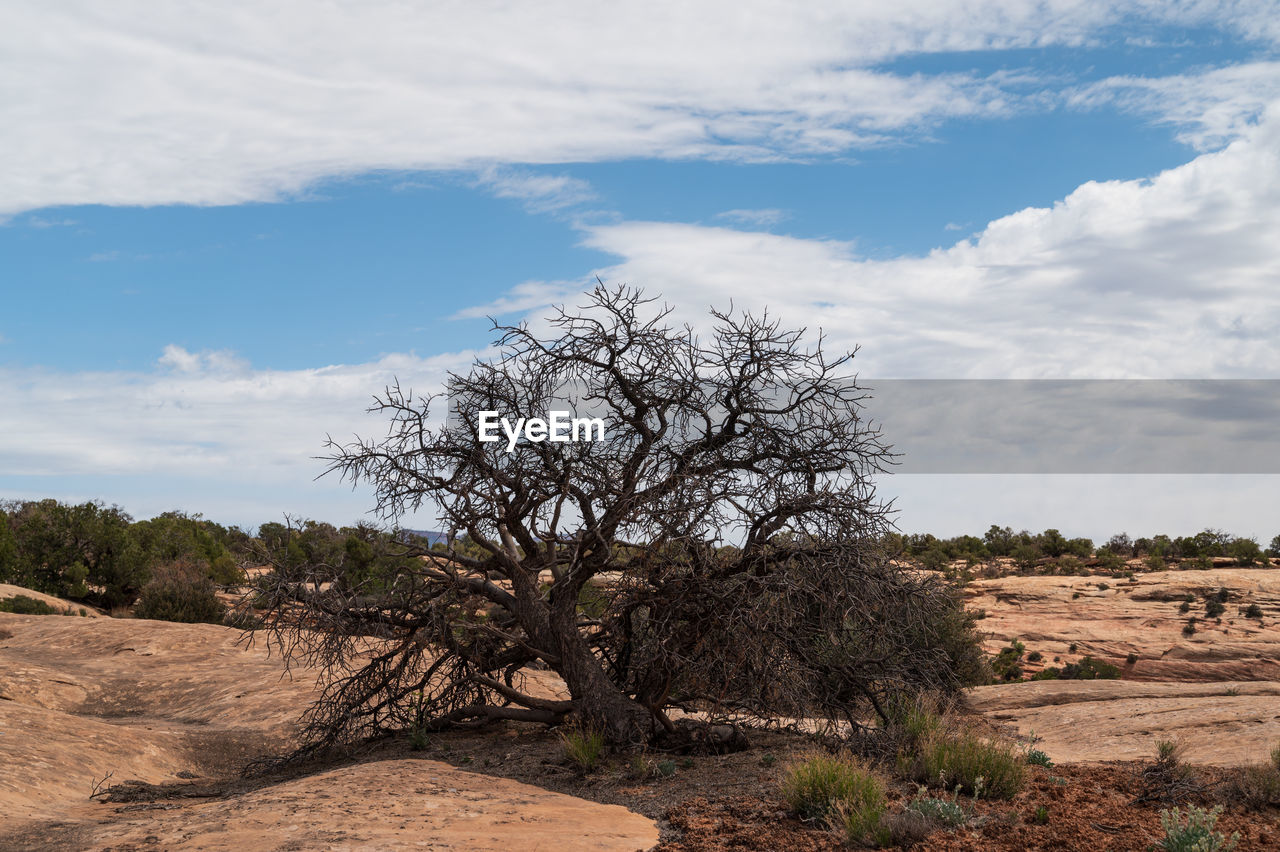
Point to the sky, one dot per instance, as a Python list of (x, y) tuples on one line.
[(224, 227)]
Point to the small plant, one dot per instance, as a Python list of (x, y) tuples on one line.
[(1184, 607), (1035, 657), (1102, 587), (1168, 779), (948, 812), (1253, 611), (1214, 608), (859, 819), (768, 759), (1223, 595), (814, 788), (1047, 673), (1036, 757), (1189, 629), (1041, 816), (1256, 787), (583, 746), (1132, 658), (418, 739), (1197, 834), (666, 768), (979, 765), (1071, 649), (687, 763)]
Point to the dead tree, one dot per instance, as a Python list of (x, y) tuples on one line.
[(719, 550)]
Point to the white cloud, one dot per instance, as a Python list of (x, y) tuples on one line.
[(1209, 109), (761, 218), (130, 103), (207, 415), (524, 297), (41, 223), (1173, 277), (540, 193)]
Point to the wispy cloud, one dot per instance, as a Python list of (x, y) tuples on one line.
[(39, 222), (1209, 108), (540, 193), (762, 218), (128, 106), (114, 255), (524, 297)]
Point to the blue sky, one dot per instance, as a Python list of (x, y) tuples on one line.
[(223, 230)]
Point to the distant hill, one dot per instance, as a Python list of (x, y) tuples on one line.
[(430, 535)]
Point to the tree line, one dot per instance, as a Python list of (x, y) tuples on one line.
[(98, 554), (1028, 550)]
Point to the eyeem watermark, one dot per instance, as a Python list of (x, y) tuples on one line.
[(560, 427)]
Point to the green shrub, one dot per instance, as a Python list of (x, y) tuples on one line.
[(1132, 658), (1184, 607), (1090, 669), (1255, 787), (583, 746), (1036, 757), (1214, 608), (1041, 816), (1048, 673), (1189, 629), (1197, 834), (180, 592), (1253, 611), (980, 766), (825, 784), (859, 821), (1007, 665), (26, 605), (1035, 657)]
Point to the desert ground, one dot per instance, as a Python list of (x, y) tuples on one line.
[(128, 734)]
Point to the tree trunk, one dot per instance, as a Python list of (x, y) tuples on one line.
[(623, 721)]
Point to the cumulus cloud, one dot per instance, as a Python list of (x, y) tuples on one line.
[(128, 103), (1171, 277)]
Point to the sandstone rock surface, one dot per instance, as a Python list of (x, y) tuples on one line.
[(157, 702)]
